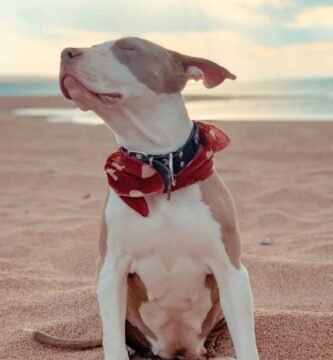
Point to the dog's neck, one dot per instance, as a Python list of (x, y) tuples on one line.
[(157, 125)]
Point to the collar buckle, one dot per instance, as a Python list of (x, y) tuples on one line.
[(169, 165), (137, 154)]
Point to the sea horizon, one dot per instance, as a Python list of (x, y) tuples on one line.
[(276, 99)]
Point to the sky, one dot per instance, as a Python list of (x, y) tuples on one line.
[(254, 39)]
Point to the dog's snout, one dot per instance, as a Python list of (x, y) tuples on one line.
[(70, 53)]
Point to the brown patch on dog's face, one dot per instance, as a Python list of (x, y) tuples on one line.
[(163, 70), (151, 64), (111, 74)]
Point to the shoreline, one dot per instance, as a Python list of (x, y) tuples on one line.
[(8, 103), (56, 107)]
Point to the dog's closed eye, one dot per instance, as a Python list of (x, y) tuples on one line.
[(126, 48)]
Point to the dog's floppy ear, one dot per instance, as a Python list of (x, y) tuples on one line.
[(208, 71)]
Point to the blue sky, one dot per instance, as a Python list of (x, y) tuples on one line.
[(254, 38)]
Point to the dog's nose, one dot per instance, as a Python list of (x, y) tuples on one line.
[(70, 53)]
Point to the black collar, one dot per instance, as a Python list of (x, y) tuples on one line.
[(169, 165)]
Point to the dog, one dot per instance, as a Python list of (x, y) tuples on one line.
[(170, 266)]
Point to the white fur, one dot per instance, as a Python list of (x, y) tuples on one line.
[(170, 256), (91, 70), (173, 258), (174, 248), (112, 297), (237, 304)]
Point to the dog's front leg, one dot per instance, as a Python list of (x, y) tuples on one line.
[(237, 305), (112, 297)]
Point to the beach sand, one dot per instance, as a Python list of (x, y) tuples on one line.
[(52, 191)]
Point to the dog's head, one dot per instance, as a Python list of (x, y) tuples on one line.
[(111, 74)]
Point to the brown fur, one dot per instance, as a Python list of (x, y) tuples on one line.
[(102, 238), (151, 64), (215, 313), (163, 70), (137, 295), (213, 73), (217, 196)]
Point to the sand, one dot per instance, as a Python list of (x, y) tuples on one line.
[(52, 190)]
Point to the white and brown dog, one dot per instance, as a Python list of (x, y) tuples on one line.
[(164, 279)]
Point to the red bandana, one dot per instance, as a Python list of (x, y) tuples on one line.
[(133, 179)]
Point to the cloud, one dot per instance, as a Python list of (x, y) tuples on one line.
[(250, 60), (296, 60), (27, 55), (126, 16), (234, 50), (227, 32), (247, 3), (81, 38), (231, 11), (137, 17), (241, 12), (318, 16), (273, 3)]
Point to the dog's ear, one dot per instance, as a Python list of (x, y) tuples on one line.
[(208, 71)]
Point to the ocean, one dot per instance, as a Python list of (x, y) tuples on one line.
[(287, 99)]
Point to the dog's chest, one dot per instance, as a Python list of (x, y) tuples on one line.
[(169, 249), (181, 227)]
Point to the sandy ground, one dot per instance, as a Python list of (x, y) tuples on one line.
[(52, 189)]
